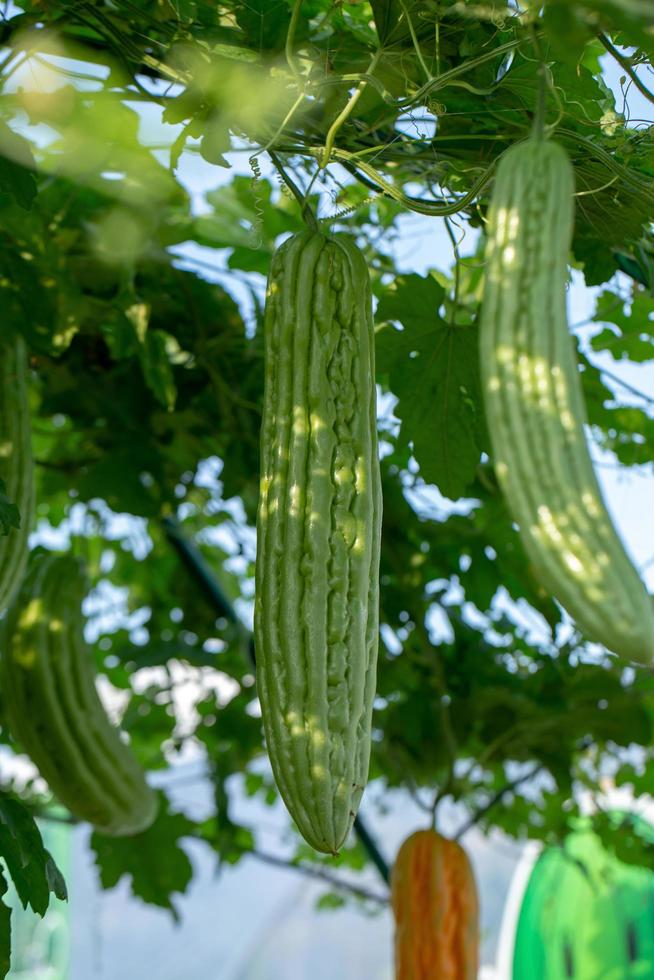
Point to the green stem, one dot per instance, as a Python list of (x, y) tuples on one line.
[(496, 798), (375, 181), (290, 38), (414, 39), (438, 43), (333, 880), (628, 176), (538, 129), (457, 271), (345, 112), (280, 129), (307, 213), (541, 104), (625, 63), (433, 85)]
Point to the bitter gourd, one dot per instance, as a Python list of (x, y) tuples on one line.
[(16, 466), (535, 408), (52, 707), (318, 533)]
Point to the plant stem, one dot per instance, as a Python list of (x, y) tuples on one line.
[(307, 213), (290, 38), (345, 112), (321, 875), (495, 799), (538, 129), (625, 63), (414, 39)]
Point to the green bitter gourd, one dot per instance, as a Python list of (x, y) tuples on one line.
[(535, 408), (16, 466), (318, 533), (52, 707)]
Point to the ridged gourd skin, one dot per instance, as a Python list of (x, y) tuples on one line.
[(52, 708), (16, 465), (436, 910), (318, 533), (535, 407)]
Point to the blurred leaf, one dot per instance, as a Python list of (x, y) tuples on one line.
[(216, 142), (432, 368), (154, 861), (631, 334), (17, 167), (157, 369), (330, 900)]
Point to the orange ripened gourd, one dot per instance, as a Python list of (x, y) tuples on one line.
[(436, 910)]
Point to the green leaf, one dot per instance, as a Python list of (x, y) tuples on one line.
[(121, 335), (387, 14), (631, 18), (268, 24), (154, 861), (157, 370), (631, 334), (31, 867), (567, 30), (26, 304), (235, 53), (432, 369), (16, 168), (331, 901), (216, 141)]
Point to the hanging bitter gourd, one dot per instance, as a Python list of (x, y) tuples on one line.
[(53, 710), (318, 533), (16, 466), (436, 910), (535, 408)]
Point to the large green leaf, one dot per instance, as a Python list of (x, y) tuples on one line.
[(157, 866), (432, 368), (32, 869)]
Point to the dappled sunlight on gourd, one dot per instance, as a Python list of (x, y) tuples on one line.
[(296, 499), (74, 745), (505, 356), (295, 725), (534, 405), (300, 422), (316, 735), (318, 531), (359, 543), (554, 529), (31, 615)]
